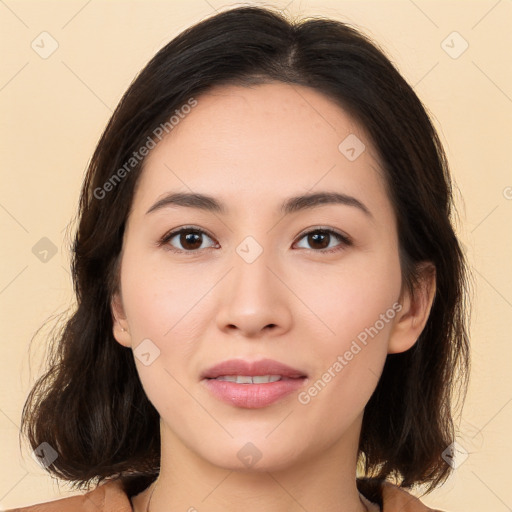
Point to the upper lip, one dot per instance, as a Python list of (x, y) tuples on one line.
[(251, 368)]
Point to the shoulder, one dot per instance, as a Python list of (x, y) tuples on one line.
[(107, 497), (389, 497), (394, 499)]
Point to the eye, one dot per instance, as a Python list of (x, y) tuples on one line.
[(189, 238), (321, 239)]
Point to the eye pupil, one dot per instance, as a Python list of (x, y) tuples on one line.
[(190, 237), (319, 236)]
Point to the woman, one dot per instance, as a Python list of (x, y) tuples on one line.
[(270, 293)]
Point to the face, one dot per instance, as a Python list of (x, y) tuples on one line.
[(315, 286)]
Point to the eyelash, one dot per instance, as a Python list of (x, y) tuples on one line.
[(164, 241)]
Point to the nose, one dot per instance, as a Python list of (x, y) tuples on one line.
[(254, 299)]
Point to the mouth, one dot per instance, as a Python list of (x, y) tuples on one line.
[(254, 379), (252, 372), (252, 385)]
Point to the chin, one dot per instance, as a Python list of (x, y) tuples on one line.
[(253, 456)]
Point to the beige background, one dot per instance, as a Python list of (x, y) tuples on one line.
[(54, 109)]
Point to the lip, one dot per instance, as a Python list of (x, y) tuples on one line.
[(252, 368), (252, 396)]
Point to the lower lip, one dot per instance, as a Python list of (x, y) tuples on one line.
[(252, 396)]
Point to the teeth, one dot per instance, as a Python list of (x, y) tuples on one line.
[(244, 379)]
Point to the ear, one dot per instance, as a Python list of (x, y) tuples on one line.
[(412, 318), (120, 325)]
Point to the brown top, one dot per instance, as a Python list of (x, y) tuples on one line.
[(110, 497)]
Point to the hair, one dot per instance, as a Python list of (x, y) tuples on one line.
[(90, 406)]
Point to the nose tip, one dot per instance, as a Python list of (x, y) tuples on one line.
[(254, 301)]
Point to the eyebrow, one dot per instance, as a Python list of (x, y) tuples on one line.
[(290, 205)]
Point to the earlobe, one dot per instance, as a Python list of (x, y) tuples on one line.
[(119, 323), (411, 321)]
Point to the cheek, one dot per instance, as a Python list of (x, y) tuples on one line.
[(159, 298), (355, 310), (170, 305), (163, 304), (351, 296), (349, 362)]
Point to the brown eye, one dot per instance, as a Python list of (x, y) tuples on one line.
[(320, 240), (188, 239)]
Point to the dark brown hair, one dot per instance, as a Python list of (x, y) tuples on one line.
[(90, 405)]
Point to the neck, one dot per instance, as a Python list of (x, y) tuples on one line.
[(189, 483)]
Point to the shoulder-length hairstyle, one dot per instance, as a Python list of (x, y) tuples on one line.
[(90, 405)]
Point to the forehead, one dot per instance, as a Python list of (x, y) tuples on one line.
[(272, 140)]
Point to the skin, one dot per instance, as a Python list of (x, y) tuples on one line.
[(251, 148)]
